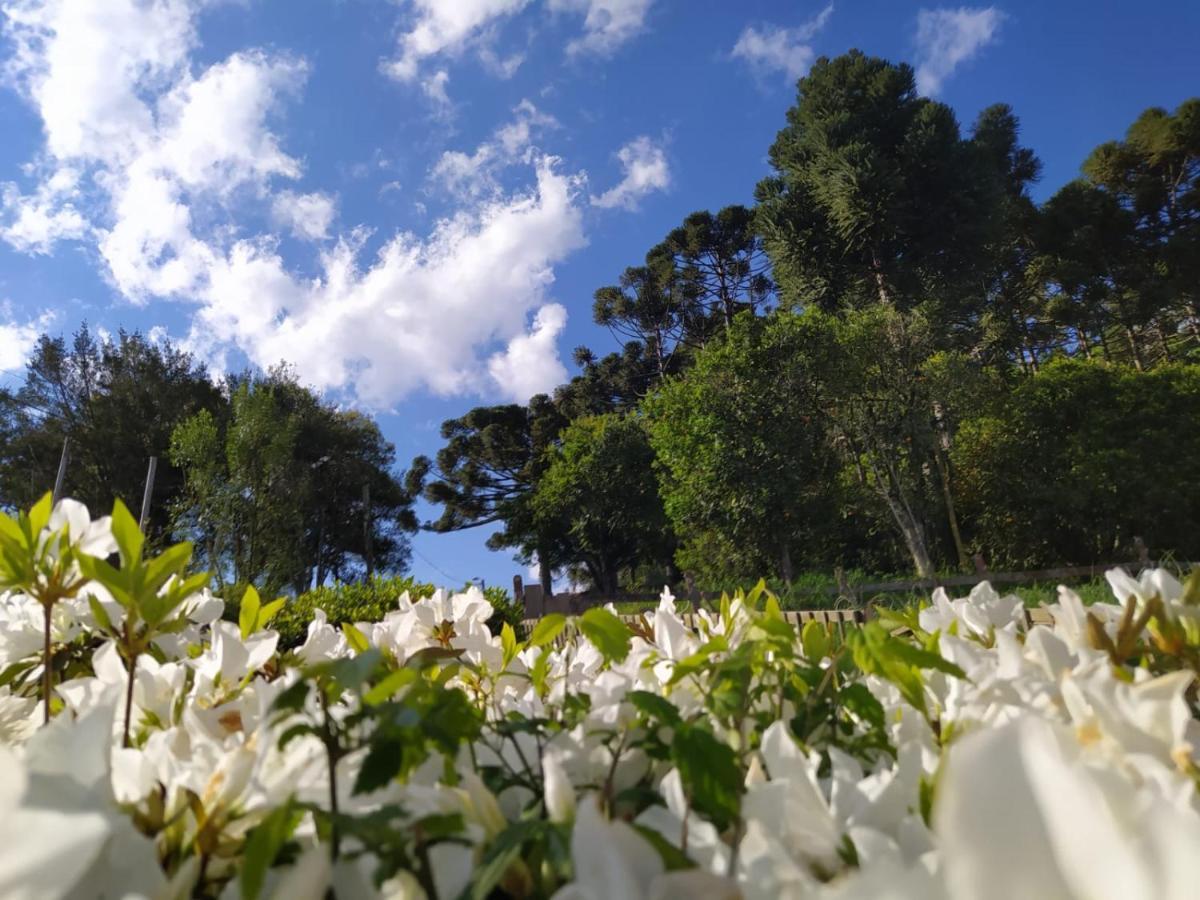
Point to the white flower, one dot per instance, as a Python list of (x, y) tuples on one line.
[(93, 537), (1019, 815), (559, 792), (612, 860)]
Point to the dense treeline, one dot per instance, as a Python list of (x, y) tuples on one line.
[(896, 359), (275, 487)]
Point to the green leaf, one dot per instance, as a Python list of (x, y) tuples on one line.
[(39, 513), (508, 640), (248, 614), (710, 774), (540, 671), (389, 685), (502, 853), (654, 706), (172, 561), (607, 632), (100, 615), (673, 858), (547, 629), (126, 533), (269, 610), (356, 639), (263, 845), (815, 641)]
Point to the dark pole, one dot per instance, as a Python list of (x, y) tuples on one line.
[(368, 554), (148, 493), (62, 470)]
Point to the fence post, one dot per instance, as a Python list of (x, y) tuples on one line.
[(147, 494), (62, 470), (1143, 553)]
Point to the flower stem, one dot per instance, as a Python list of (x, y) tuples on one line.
[(129, 698), (47, 658)]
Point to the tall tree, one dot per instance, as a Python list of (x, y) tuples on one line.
[(289, 489), (600, 495), (117, 400), (1154, 175), (747, 474), (721, 260), (877, 197), (485, 475)]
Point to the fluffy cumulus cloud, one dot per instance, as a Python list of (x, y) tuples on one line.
[(772, 48), (437, 30), (607, 24), (946, 38), (417, 314), (17, 339), (645, 168), (307, 216), (158, 161), (530, 364), (474, 174)]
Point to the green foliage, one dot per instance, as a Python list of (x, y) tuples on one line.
[(1080, 459), (117, 401), (346, 603), (281, 492), (600, 497)]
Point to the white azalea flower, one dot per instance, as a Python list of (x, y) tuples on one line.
[(612, 860), (1019, 815)]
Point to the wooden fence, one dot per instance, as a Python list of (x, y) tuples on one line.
[(851, 594), (832, 619)]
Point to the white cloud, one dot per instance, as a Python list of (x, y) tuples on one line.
[(307, 216), (17, 339), (529, 364), (36, 223), (419, 315), (441, 29), (775, 49), (163, 194), (446, 28), (474, 174), (434, 87), (607, 24), (946, 38), (646, 170)]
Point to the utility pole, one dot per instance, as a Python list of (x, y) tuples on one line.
[(148, 493), (62, 470)]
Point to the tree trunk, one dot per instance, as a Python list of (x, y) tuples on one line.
[(1081, 336), (785, 565), (1162, 341), (941, 456), (910, 527), (1135, 349), (545, 575)]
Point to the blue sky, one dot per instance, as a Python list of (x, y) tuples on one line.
[(413, 202)]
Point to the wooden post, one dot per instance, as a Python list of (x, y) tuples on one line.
[(148, 493), (843, 584), (368, 555), (62, 470), (1143, 553)]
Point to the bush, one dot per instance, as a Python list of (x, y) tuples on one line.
[(370, 601)]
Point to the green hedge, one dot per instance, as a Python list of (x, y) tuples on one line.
[(370, 601)]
